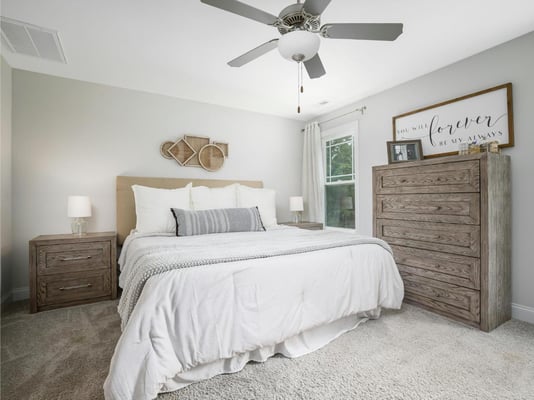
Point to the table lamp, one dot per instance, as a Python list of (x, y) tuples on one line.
[(79, 208), (296, 205)]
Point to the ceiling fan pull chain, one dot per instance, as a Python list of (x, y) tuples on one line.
[(299, 84), (301, 79)]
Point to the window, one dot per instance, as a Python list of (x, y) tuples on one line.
[(340, 179)]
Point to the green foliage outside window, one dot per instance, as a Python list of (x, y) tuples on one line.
[(340, 196), (339, 157), (340, 206)]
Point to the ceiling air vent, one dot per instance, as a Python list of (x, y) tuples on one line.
[(32, 40)]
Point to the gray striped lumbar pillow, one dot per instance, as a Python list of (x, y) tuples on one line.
[(221, 220)]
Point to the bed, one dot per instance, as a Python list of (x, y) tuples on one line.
[(198, 306)]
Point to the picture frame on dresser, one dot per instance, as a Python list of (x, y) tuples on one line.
[(404, 150)]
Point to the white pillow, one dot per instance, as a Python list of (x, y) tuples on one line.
[(153, 207), (205, 198), (264, 199)]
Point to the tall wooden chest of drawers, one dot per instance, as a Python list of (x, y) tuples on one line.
[(448, 221), (69, 269)]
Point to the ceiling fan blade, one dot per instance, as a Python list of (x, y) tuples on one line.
[(254, 53), (314, 67), (362, 31), (243, 9), (315, 7)]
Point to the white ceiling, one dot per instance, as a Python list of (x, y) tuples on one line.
[(180, 47)]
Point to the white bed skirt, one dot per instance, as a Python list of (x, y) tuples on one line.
[(296, 346)]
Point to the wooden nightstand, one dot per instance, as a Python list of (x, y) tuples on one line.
[(312, 226), (69, 269)]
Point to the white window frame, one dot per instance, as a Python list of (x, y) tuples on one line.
[(350, 129)]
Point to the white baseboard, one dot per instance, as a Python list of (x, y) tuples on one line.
[(523, 313), (6, 298), (16, 294), (21, 293)]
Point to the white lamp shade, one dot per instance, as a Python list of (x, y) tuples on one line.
[(78, 206), (299, 45), (296, 203)]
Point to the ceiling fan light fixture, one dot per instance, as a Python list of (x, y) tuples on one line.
[(299, 45)]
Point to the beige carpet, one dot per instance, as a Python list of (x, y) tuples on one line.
[(411, 354)]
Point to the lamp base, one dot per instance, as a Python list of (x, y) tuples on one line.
[(297, 217), (79, 226)]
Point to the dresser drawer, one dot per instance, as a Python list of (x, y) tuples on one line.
[(454, 208), (444, 267), (447, 238), (72, 287), (451, 300), (459, 177), (59, 258)]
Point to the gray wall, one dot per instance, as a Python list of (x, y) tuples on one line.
[(72, 137), (510, 62), (5, 178)]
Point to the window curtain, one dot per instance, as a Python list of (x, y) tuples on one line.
[(313, 173)]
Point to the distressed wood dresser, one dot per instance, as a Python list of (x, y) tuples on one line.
[(448, 221), (69, 269)]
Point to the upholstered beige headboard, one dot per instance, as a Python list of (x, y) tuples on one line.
[(125, 198)]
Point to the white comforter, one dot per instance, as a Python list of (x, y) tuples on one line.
[(193, 323)]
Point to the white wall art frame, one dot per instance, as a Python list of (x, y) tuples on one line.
[(477, 117)]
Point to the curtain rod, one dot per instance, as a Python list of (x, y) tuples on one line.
[(361, 110)]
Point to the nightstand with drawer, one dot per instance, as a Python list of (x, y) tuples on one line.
[(67, 270), (312, 226)]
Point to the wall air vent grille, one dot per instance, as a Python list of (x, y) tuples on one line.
[(32, 40)]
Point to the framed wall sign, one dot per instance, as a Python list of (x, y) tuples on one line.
[(477, 117)]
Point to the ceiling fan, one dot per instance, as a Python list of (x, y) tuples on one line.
[(299, 25)]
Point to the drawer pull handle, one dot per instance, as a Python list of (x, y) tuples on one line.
[(76, 258), (87, 285)]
